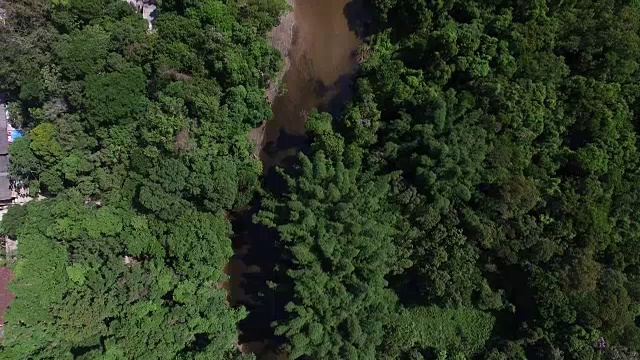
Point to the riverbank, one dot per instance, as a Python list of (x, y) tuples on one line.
[(281, 38)]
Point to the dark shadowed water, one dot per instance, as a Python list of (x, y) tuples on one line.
[(322, 63)]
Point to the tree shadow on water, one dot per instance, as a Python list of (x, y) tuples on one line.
[(266, 305), (288, 141), (359, 18), (256, 247), (341, 93), (281, 153), (320, 89)]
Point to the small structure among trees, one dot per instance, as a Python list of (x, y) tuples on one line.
[(147, 8), (5, 191)]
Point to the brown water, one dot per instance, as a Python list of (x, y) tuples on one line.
[(322, 62), (323, 58)]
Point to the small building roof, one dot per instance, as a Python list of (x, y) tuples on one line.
[(4, 140), (5, 190)]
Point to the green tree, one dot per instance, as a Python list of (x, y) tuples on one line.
[(139, 140), (336, 231)]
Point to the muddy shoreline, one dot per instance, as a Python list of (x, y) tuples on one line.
[(281, 38)]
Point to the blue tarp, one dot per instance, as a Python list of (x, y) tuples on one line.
[(16, 134)]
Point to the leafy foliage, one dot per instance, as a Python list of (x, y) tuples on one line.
[(513, 126), (339, 235), (506, 132), (139, 139)]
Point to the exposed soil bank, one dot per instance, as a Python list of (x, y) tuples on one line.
[(281, 38), (320, 43)]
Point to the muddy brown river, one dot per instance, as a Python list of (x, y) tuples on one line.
[(322, 60)]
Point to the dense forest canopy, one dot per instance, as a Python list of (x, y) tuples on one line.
[(139, 141), (479, 196), (477, 199)]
